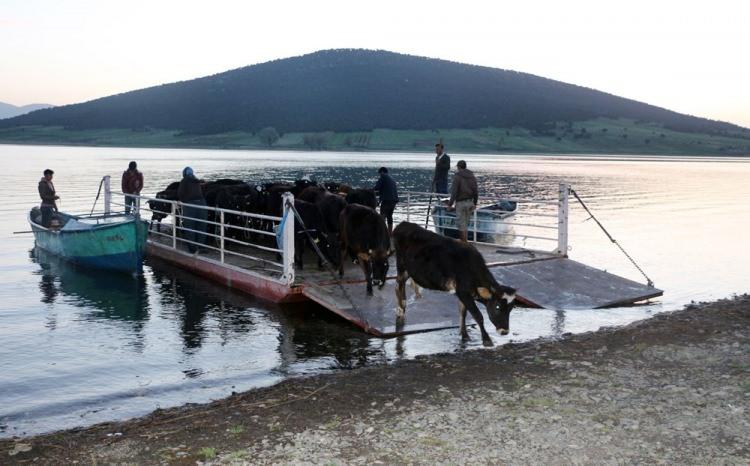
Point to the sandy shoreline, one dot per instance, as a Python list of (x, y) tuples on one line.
[(674, 388)]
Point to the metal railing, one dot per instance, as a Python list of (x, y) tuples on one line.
[(532, 225), (253, 238), (256, 239)]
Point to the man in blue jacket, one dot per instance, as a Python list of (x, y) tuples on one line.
[(388, 195)]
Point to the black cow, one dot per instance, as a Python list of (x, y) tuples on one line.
[(212, 189), (361, 196), (331, 206), (332, 186), (301, 185), (312, 193), (243, 198), (438, 263), (364, 237), (161, 210), (313, 230), (273, 197)]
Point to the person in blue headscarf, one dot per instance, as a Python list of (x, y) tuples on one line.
[(194, 217)]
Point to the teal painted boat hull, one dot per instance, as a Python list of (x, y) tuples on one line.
[(116, 244)]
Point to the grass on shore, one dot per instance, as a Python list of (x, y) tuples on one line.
[(600, 136)]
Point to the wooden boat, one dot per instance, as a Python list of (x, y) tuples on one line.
[(490, 221), (111, 241)]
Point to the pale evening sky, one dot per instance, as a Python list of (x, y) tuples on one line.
[(688, 56)]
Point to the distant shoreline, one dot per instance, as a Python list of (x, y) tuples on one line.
[(594, 137), (426, 150)]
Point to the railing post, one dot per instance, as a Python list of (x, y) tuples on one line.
[(475, 224), (408, 207), (107, 196), (174, 225), (221, 233), (287, 235), (562, 220)]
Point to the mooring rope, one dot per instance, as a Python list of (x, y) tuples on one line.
[(328, 265), (648, 280)]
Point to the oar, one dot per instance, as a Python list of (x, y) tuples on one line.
[(22, 232)]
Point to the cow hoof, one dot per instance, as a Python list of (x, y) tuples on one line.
[(488, 342)]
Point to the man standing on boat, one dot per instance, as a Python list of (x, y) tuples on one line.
[(465, 194), (442, 167), (48, 195), (193, 218), (132, 183), (388, 195)]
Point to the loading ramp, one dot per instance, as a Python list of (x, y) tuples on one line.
[(551, 283)]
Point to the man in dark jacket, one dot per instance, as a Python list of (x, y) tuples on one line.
[(442, 167), (388, 195), (465, 194), (193, 217), (48, 195), (132, 183)]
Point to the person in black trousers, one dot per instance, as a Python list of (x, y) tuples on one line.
[(388, 195), (194, 218)]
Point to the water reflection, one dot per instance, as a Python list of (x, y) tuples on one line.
[(104, 295), (192, 301), (69, 333)]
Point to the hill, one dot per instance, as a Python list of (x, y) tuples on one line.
[(358, 90), (10, 111)]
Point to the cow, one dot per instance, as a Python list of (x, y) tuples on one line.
[(361, 196), (364, 237), (243, 198), (439, 263), (313, 230), (330, 206), (312, 193), (159, 209), (301, 185)]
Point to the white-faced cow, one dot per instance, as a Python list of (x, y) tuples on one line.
[(364, 237), (438, 263)]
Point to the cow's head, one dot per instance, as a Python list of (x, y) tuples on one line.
[(499, 302), (379, 261)]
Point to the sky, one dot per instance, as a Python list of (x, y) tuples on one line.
[(688, 56)]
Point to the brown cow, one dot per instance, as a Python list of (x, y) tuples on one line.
[(439, 263)]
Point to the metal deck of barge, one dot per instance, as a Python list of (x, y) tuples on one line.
[(543, 279)]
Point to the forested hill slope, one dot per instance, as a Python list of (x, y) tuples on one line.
[(357, 90)]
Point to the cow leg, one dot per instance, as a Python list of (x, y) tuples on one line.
[(468, 301), (367, 269), (462, 314), (417, 289), (401, 278)]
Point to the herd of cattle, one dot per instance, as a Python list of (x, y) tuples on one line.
[(342, 223)]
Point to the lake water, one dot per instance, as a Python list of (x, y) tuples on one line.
[(82, 347)]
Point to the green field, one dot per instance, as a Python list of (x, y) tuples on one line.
[(601, 136)]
